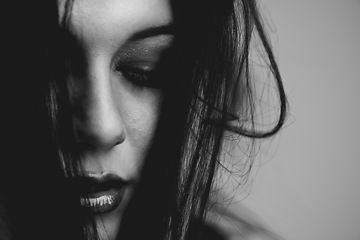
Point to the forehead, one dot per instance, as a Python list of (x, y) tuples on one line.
[(94, 20)]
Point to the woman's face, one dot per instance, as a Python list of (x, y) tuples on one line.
[(114, 96)]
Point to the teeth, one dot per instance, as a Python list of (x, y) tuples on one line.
[(97, 202)]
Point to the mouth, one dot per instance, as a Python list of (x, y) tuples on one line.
[(100, 193)]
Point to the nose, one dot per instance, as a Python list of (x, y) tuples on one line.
[(97, 120)]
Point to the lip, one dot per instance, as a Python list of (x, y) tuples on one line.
[(100, 193)]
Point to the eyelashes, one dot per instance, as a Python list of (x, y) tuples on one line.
[(149, 70), (140, 76)]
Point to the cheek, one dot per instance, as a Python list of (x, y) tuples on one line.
[(141, 119)]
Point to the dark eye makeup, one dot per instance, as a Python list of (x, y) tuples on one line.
[(142, 62), (140, 76)]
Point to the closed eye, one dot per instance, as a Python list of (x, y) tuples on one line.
[(141, 77)]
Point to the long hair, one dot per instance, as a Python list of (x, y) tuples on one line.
[(216, 39), (36, 199), (210, 72)]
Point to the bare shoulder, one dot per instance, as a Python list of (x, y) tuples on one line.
[(239, 224)]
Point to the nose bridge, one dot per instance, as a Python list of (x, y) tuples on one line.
[(99, 125)]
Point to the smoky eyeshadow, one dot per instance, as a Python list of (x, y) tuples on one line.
[(142, 52)]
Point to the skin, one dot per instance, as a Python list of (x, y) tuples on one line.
[(115, 116)]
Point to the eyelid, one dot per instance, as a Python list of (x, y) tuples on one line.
[(139, 77), (145, 67), (140, 61), (133, 67), (144, 63), (149, 49)]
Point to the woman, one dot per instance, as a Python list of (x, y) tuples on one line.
[(129, 102)]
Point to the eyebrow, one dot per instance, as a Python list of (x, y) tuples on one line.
[(153, 31)]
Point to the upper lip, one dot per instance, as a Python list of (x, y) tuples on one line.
[(89, 183)]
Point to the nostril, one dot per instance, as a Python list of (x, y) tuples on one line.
[(116, 144), (119, 139), (99, 134), (93, 142)]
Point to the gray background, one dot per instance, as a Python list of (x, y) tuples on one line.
[(306, 185)]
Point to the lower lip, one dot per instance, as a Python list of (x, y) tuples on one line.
[(103, 202)]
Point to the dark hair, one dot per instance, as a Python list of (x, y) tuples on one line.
[(215, 38), (212, 92)]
